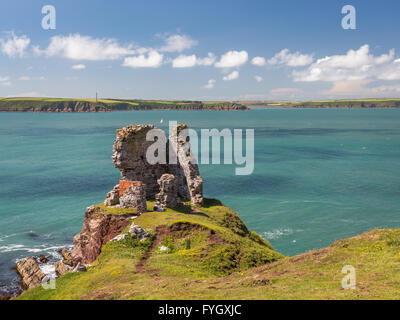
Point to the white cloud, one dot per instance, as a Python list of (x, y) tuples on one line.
[(258, 78), (207, 61), (77, 47), (258, 61), (291, 59), (232, 76), (4, 79), (14, 46), (354, 65), (183, 61), (232, 59), (78, 67), (210, 84), (178, 43), (152, 60)]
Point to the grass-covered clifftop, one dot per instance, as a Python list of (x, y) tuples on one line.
[(340, 103), (212, 255), (106, 105)]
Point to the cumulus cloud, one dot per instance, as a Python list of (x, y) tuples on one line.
[(78, 47), (232, 59), (152, 59), (78, 67), (232, 76), (258, 61), (354, 65), (207, 61), (24, 78), (258, 78), (14, 46), (183, 61), (210, 84), (178, 43), (285, 57)]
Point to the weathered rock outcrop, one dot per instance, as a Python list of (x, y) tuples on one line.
[(98, 228), (31, 275), (134, 197), (129, 156), (61, 268), (112, 197), (168, 195), (190, 183)]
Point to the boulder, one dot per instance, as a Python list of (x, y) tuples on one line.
[(119, 237), (61, 268), (67, 258), (31, 275), (138, 232)]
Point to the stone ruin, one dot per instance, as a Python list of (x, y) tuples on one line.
[(168, 195), (166, 183)]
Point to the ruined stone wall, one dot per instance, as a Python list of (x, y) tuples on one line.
[(129, 156), (190, 183)]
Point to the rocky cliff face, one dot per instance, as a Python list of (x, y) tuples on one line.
[(98, 228)]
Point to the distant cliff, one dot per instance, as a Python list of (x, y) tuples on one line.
[(340, 103), (108, 105)]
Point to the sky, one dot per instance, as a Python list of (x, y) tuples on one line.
[(200, 50)]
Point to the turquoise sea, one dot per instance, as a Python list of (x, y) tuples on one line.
[(320, 175)]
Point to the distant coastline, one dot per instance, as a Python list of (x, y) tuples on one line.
[(341, 103), (109, 105)]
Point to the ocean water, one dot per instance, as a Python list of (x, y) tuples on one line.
[(320, 175)]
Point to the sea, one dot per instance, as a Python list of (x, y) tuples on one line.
[(319, 175)]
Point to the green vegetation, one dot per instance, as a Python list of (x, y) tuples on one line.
[(340, 103), (211, 255), (104, 105)]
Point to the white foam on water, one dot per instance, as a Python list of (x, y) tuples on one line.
[(277, 233)]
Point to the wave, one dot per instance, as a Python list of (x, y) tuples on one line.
[(36, 249), (277, 233)]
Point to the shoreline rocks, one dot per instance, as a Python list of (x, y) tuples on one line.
[(30, 272)]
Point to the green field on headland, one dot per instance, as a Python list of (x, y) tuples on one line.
[(340, 103), (106, 105), (212, 255)]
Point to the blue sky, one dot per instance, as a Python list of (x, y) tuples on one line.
[(209, 50)]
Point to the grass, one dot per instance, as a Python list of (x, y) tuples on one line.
[(212, 255)]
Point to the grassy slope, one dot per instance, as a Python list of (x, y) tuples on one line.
[(212, 255), (108, 104), (354, 103)]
